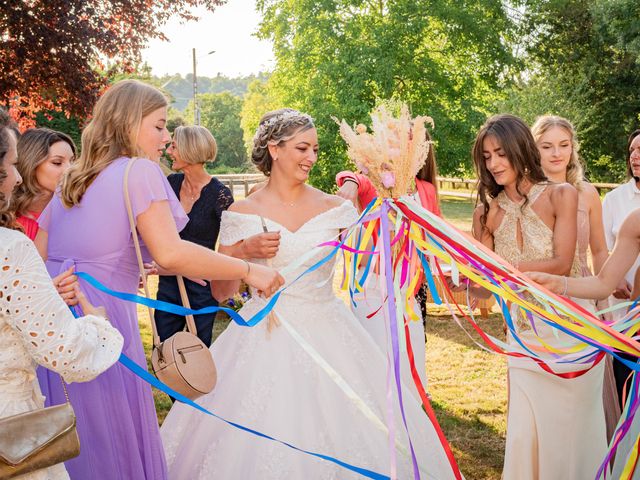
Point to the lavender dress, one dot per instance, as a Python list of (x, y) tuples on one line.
[(117, 422)]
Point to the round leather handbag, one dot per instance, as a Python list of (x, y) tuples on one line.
[(183, 361)]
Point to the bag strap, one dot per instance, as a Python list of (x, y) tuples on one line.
[(191, 324)]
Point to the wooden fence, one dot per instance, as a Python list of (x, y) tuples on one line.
[(459, 187)]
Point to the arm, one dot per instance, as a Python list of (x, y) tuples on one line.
[(158, 230), (636, 285), (623, 289), (79, 349), (221, 290), (597, 241), (624, 253), (564, 199)]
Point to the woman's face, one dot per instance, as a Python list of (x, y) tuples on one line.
[(296, 157), (49, 172), (555, 151), (634, 156), (9, 165), (497, 162), (153, 135), (177, 163)]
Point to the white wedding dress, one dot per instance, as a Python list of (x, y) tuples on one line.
[(318, 381)]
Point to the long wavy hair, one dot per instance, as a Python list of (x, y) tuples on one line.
[(429, 171), (7, 128), (521, 150), (33, 151), (111, 133), (575, 168)]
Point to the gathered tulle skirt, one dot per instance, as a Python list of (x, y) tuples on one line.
[(318, 381)]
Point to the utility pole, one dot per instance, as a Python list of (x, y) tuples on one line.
[(196, 112)]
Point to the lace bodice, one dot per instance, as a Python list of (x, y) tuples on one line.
[(36, 327), (537, 237), (294, 245)]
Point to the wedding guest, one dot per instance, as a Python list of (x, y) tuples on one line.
[(43, 156), (77, 349), (204, 198), (617, 205), (87, 225), (559, 154), (532, 224)]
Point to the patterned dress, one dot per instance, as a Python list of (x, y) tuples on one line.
[(36, 327)]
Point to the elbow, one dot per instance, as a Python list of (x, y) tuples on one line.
[(169, 259)]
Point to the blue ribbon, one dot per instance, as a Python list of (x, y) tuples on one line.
[(147, 377)]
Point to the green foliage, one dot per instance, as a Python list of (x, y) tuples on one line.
[(180, 88), (583, 58), (337, 57), (60, 122), (260, 99), (220, 113)]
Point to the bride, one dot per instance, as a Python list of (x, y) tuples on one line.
[(310, 375)]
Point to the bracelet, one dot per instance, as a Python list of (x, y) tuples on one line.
[(248, 269), (352, 180), (566, 286)]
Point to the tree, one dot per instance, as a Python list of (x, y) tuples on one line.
[(220, 113), (338, 57), (58, 54), (583, 60), (259, 100)]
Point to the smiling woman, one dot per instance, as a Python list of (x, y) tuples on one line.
[(87, 225)]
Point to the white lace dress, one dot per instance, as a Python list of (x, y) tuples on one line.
[(272, 383), (36, 327)]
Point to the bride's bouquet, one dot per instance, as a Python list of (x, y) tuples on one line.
[(392, 153)]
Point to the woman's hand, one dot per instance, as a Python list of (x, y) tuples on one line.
[(66, 284), (623, 290), (87, 307), (265, 279), (262, 245), (554, 283)]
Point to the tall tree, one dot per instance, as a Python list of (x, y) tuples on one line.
[(55, 53), (220, 113), (446, 59), (584, 62)]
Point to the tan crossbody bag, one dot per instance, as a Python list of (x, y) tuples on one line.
[(182, 361)]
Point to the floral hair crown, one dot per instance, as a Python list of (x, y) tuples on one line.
[(393, 153), (284, 117)]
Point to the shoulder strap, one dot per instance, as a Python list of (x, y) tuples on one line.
[(191, 325)]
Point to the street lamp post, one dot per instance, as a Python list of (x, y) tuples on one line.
[(196, 110)]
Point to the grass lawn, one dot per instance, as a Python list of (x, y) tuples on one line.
[(466, 383)]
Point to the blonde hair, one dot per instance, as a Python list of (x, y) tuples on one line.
[(33, 150), (575, 170), (111, 134), (195, 144)]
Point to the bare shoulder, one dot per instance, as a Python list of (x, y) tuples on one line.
[(246, 205), (562, 192), (590, 192), (326, 199)]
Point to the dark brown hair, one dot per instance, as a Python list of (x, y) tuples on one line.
[(632, 137), (429, 171), (33, 150), (521, 150)]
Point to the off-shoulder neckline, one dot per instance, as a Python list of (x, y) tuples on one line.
[(304, 224)]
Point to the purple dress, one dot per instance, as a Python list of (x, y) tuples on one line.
[(116, 418)]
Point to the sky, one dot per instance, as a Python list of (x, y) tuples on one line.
[(228, 31)]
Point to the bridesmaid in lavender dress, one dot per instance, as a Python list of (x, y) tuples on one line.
[(86, 225)]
